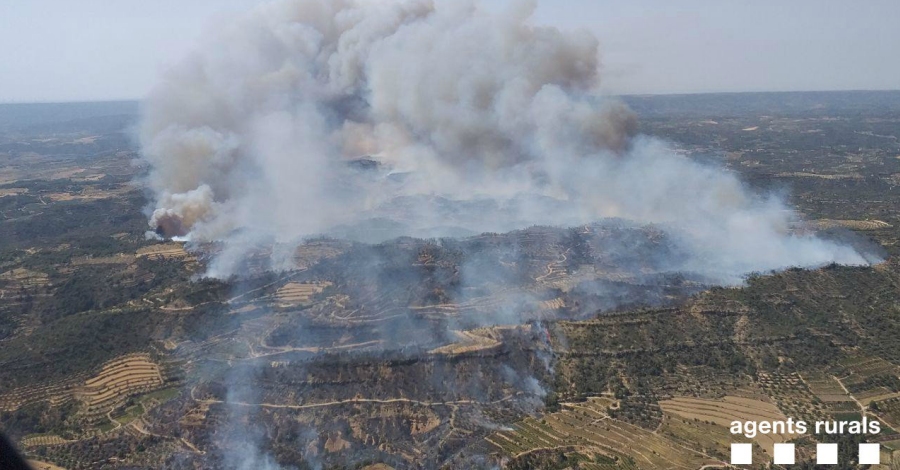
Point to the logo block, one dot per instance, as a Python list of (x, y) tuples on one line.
[(826, 454), (741, 454), (869, 454), (784, 454)]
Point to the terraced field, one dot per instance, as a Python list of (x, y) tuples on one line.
[(43, 440), (469, 342), (826, 388), (121, 258), (118, 379), (296, 293), (875, 395), (312, 252), (858, 368), (164, 251), (889, 412), (851, 224), (587, 426), (792, 396), (55, 394), (870, 379), (704, 436), (13, 191), (87, 193), (804, 174), (722, 412), (25, 278), (554, 304)]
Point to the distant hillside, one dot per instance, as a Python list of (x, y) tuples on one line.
[(807, 103), (67, 117)]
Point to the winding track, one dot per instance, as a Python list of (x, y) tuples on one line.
[(352, 400)]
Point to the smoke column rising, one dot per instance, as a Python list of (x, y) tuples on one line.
[(250, 137)]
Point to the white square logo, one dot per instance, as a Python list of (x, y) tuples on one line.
[(869, 454), (741, 454), (784, 454), (826, 454)]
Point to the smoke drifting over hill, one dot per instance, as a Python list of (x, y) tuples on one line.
[(469, 120)]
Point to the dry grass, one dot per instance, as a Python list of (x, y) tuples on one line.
[(25, 277), (171, 250), (851, 224), (554, 304), (87, 194), (893, 445), (728, 409), (336, 443), (43, 440), (711, 438), (39, 465), (296, 293), (121, 258), (481, 339), (65, 173), (588, 426), (802, 174), (86, 178), (311, 253), (12, 191), (195, 416)]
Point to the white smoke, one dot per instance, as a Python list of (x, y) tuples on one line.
[(480, 121)]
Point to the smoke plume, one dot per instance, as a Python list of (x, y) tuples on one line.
[(443, 117)]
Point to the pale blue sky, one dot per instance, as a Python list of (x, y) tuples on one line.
[(53, 50)]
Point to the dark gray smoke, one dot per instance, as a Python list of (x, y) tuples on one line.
[(443, 117)]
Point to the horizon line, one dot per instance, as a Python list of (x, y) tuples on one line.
[(638, 95)]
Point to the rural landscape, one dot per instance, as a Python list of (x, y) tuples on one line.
[(575, 347)]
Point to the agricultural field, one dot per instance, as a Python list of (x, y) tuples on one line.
[(87, 193), (792, 396), (43, 440), (55, 394), (293, 294), (470, 342), (851, 224), (727, 410), (164, 251), (870, 379), (587, 426), (887, 410), (38, 465), (116, 381), (24, 278), (831, 392)]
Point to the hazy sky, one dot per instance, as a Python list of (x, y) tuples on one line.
[(52, 50)]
